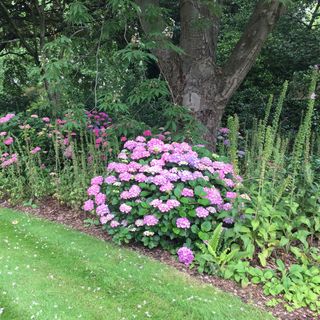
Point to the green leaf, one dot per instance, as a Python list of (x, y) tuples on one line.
[(215, 239), (176, 230), (203, 235), (195, 229), (255, 224), (204, 202), (198, 191), (263, 257), (206, 226)]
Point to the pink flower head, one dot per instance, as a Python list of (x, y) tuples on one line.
[(231, 195), (100, 198), (102, 210), (172, 203), (185, 256), (93, 190), (123, 139), (224, 130), (114, 224), (97, 180), (227, 207), (88, 205), (125, 176), (186, 192), (3, 133), (7, 118), (183, 223), (8, 141), (103, 219), (124, 208), (167, 187), (150, 220), (110, 179), (147, 133), (202, 212), (46, 119), (35, 150), (140, 139)]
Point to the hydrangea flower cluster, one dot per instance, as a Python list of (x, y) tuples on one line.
[(185, 256), (161, 193)]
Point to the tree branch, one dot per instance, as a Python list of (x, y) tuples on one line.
[(314, 15), (263, 19), (19, 35)]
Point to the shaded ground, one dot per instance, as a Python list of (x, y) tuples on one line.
[(253, 294)]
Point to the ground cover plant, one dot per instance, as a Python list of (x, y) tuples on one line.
[(48, 271)]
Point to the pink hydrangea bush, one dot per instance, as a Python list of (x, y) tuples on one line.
[(164, 194)]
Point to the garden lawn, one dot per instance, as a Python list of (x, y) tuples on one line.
[(48, 271)]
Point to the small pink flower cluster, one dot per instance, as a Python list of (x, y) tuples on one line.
[(183, 223), (7, 118), (35, 150), (185, 256), (165, 206), (7, 159), (8, 141), (102, 209)]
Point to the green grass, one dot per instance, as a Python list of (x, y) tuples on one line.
[(48, 271)]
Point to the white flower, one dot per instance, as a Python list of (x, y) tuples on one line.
[(148, 233)]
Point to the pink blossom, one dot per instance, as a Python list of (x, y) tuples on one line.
[(88, 205), (185, 256), (147, 133), (93, 190), (186, 192), (202, 212), (183, 223), (97, 180), (110, 179), (231, 195), (35, 150), (102, 210), (150, 220), (8, 141), (100, 198), (124, 208), (114, 224), (7, 118)]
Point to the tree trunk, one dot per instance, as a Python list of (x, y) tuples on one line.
[(194, 78)]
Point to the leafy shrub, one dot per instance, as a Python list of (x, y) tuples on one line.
[(164, 194)]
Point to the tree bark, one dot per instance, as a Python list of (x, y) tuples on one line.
[(194, 77)]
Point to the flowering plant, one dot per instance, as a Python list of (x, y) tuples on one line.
[(166, 194)]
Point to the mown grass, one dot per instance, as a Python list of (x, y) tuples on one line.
[(48, 271)]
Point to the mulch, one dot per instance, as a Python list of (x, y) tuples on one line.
[(253, 294)]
